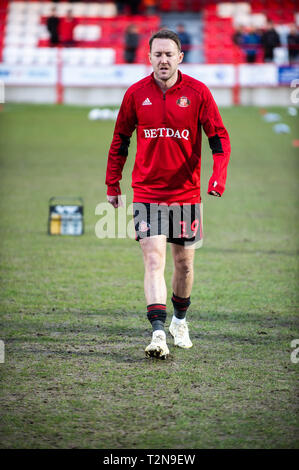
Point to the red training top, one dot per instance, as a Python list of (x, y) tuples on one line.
[(168, 158), (66, 30)]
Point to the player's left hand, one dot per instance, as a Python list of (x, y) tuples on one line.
[(214, 193)]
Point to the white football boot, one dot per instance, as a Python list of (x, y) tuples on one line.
[(158, 347), (180, 333)]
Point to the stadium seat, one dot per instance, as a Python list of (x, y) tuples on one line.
[(258, 20), (93, 9), (165, 5), (43, 32), (45, 56), (46, 9), (28, 56), (105, 56), (17, 18), (32, 19), (108, 10), (12, 40), (17, 7), (78, 9), (30, 40), (62, 8), (241, 20), (11, 55), (225, 10), (87, 33), (242, 8), (16, 29), (72, 56), (34, 7), (90, 57), (281, 56)]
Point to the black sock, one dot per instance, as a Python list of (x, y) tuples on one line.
[(156, 313), (180, 305)]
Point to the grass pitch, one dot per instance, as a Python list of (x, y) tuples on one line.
[(73, 310)]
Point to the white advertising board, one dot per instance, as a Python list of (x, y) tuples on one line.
[(248, 75), (28, 75), (112, 75), (256, 75), (211, 75)]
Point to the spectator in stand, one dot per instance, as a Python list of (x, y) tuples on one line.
[(53, 26), (131, 43), (120, 5), (67, 30), (270, 40), (134, 6), (293, 44), (123, 5), (250, 43), (238, 36), (185, 40), (150, 7)]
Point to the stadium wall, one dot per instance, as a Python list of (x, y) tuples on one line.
[(261, 85)]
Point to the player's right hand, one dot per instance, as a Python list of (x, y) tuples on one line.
[(115, 201)]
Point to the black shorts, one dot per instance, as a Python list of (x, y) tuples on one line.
[(180, 223)]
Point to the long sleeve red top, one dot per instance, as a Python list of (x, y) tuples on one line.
[(168, 125)]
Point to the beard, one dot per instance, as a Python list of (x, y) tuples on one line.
[(165, 75)]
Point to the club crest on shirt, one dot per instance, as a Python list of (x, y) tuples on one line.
[(183, 102)]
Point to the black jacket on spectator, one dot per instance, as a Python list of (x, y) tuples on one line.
[(270, 40), (53, 25), (293, 46), (131, 45)]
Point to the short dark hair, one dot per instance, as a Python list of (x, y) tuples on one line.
[(166, 34)]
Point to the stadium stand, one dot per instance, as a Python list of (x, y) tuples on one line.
[(99, 33), (221, 21), (194, 25), (100, 30)]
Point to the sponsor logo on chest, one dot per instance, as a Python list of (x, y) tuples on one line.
[(166, 132)]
